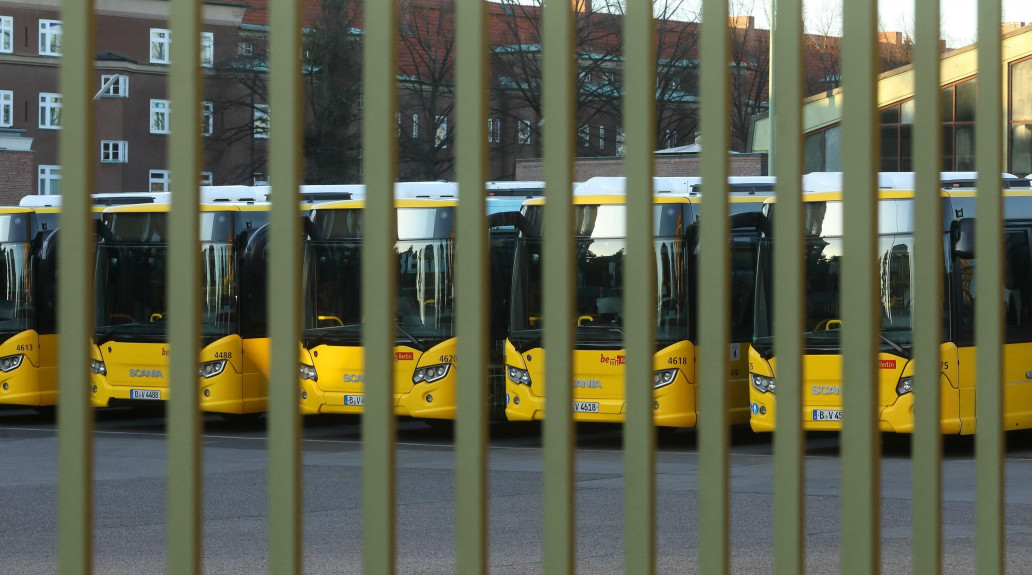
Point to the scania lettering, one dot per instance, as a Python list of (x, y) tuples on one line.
[(131, 334), (599, 363), (822, 359)]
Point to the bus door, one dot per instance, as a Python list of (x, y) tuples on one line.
[(1017, 302)]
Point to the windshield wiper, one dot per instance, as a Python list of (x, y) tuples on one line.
[(112, 329), (525, 344), (314, 340), (412, 338), (894, 345)]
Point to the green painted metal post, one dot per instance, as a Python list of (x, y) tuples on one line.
[(471, 290), (639, 112), (989, 445), (379, 281), (789, 478), (285, 168), (75, 293), (714, 283), (560, 72), (928, 293), (183, 292)]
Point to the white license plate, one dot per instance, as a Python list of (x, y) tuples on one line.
[(354, 400), (145, 394), (585, 407), (827, 415)]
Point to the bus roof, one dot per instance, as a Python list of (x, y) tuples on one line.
[(832, 181)]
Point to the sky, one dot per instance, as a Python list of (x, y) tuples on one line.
[(958, 16)]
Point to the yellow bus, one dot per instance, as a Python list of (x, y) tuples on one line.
[(130, 362), (598, 357), (822, 360), (332, 374), (28, 292)]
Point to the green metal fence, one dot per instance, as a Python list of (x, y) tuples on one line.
[(860, 450)]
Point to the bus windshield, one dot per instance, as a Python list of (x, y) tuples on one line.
[(823, 311), (16, 305)]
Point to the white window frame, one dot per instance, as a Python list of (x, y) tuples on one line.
[(49, 103), (159, 117), (440, 131), (49, 180), (494, 130), (207, 118), (118, 89), (245, 48), (158, 180), (6, 34), (49, 37), (261, 121), (619, 151), (6, 108), (670, 138), (114, 152), (601, 137), (584, 135), (162, 39), (415, 126), (207, 49), (206, 178), (523, 132)]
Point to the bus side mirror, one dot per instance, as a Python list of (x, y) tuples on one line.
[(963, 236)]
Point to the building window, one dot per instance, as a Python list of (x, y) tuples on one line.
[(245, 49), (261, 179), (117, 88), (49, 180), (6, 108), (441, 132), (206, 178), (415, 126), (1020, 117), (619, 142), (584, 135), (494, 130), (601, 137), (207, 49), (158, 180), (523, 132), (6, 34), (159, 117), (207, 118), (49, 37), (160, 41), (261, 121), (114, 151), (670, 139), (49, 111)]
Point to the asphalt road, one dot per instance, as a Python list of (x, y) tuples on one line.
[(130, 488)]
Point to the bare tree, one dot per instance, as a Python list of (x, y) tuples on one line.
[(677, 40), (750, 66), (823, 45)]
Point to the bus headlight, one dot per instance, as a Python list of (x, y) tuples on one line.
[(98, 367), (307, 371), (905, 385), (11, 362), (211, 368), (664, 377), (517, 375), (430, 373), (762, 383)]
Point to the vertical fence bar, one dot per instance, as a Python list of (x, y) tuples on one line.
[(471, 290), (639, 112), (787, 122), (285, 166), (379, 281), (75, 294), (989, 537), (183, 294), (560, 71), (928, 293), (860, 437), (713, 285)]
